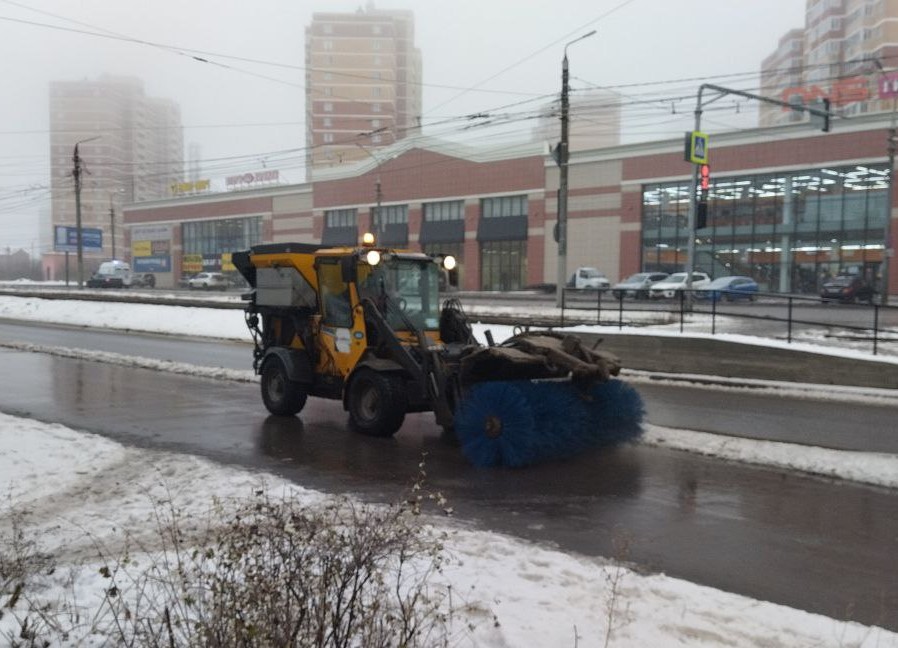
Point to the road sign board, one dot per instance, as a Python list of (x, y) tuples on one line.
[(698, 147)]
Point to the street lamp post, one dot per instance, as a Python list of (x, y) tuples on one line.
[(76, 173), (562, 175)]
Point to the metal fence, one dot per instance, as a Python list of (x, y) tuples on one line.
[(790, 317)]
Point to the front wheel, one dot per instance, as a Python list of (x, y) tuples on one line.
[(282, 396), (376, 403)]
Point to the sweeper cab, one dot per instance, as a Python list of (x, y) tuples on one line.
[(364, 325)]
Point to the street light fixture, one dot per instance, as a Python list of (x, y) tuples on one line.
[(76, 158), (562, 161)]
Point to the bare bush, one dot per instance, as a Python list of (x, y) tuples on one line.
[(263, 571), (276, 573), (21, 562)]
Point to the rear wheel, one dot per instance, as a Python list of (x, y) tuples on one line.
[(282, 396), (376, 403)]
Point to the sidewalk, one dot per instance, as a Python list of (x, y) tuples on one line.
[(715, 357)]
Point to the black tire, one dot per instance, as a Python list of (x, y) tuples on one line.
[(376, 403), (151, 281), (282, 396)]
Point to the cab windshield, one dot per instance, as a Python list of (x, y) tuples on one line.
[(405, 290)]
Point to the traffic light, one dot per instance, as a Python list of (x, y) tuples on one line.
[(701, 206), (701, 212)]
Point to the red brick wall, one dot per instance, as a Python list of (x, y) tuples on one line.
[(816, 150), (420, 175), (199, 210)]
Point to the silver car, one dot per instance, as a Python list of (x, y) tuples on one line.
[(637, 285)]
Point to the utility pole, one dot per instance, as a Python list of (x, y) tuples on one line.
[(887, 250), (76, 173), (112, 225), (376, 224), (562, 161)]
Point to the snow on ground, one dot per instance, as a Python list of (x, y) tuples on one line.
[(80, 489)]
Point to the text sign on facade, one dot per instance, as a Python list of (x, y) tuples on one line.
[(65, 239), (269, 176), (152, 264), (151, 248), (842, 92), (191, 187)]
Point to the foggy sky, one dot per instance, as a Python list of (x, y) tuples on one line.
[(230, 111)]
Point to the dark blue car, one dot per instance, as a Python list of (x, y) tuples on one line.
[(730, 289)]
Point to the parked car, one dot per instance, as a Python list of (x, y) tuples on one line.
[(637, 285), (847, 289), (675, 283), (208, 281), (589, 278), (145, 279), (730, 289), (112, 274)]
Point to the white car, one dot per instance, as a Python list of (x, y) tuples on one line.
[(676, 282), (208, 281), (589, 279)]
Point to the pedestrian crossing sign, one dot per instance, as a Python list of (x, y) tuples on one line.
[(698, 147)]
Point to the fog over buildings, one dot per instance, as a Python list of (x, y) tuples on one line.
[(239, 75)]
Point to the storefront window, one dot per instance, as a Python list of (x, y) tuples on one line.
[(788, 230), (503, 265)]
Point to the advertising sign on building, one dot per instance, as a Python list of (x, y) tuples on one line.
[(193, 187), (151, 248), (841, 93), (65, 239), (151, 233), (247, 180), (152, 264), (888, 86), (191, 263)]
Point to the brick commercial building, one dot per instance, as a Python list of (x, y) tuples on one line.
[(788, 205)]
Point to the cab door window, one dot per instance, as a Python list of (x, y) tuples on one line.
[(336, 309)]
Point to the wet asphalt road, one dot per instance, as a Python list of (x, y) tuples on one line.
[(814, 544)]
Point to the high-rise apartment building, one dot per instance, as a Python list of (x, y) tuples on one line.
[(363, 84), (130, 148), (846, 52)]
